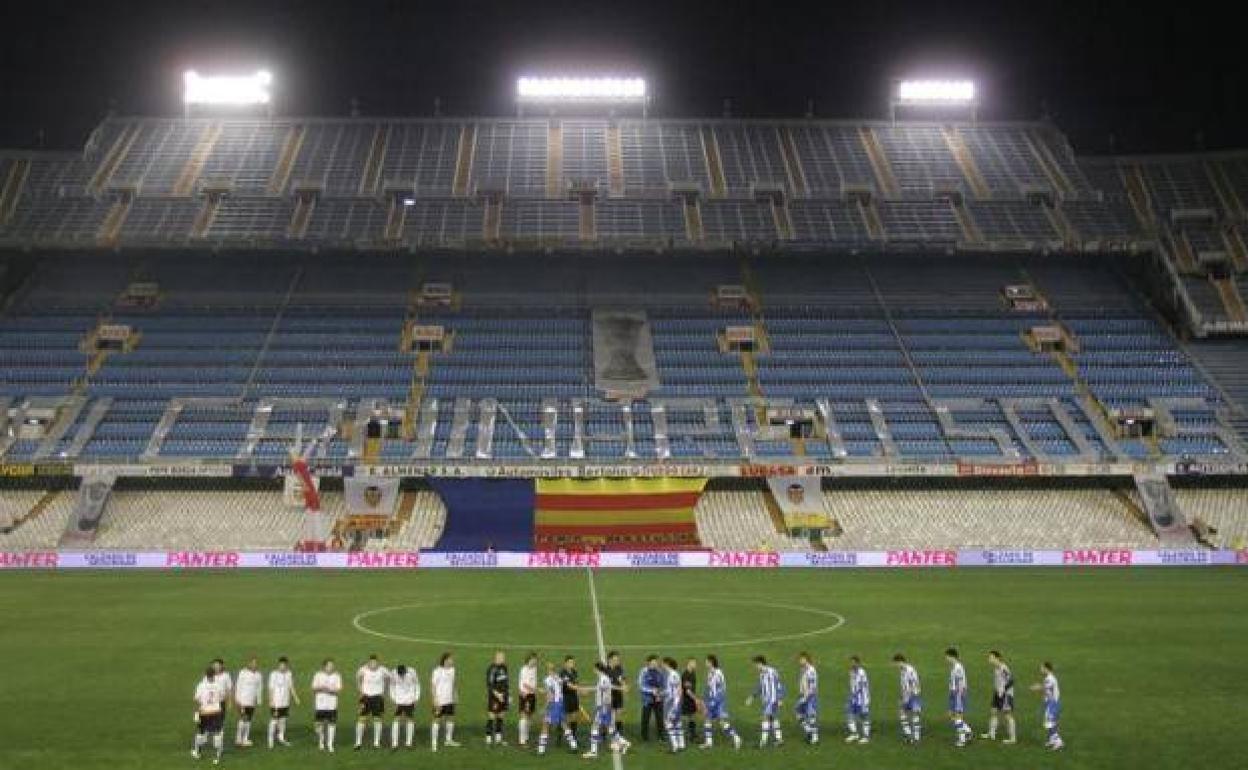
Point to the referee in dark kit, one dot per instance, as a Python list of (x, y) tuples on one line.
[(615, 670), (571, 696)]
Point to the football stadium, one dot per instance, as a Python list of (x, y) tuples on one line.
[(591, 400)]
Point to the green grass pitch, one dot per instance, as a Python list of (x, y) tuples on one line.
[(98, 669)]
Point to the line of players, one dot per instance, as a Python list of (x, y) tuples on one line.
[(666, 691)]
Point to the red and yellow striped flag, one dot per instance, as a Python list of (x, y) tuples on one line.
[(617, 514)]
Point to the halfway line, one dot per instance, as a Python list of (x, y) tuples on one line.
[(617, 762)]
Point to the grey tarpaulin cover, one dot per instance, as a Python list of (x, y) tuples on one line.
[(624, 353)]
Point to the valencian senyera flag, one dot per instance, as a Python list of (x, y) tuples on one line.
[(617, 514)]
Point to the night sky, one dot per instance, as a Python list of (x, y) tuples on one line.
[(1157, 80)]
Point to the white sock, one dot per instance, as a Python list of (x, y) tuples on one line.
[(272, 730), (320, 735), (524, 729), (433, 734), (218, 743), (359, 733), (1010, 728), (394, 734), (992, 726), (281, 729), (200, 739), (331, 730), (411, 731), (450, 731), (763, 733), (376, 733)]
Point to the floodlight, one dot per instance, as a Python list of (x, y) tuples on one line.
[(571, 89), (226, 90), (936, 92)]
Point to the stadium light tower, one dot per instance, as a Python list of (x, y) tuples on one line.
[(588, 94), (226, 92), (936, 98)]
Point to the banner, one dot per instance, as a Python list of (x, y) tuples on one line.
[(735, 560), (370, 495), (565, 469), (800, 499)]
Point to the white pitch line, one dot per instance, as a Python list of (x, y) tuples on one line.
[(617, 762)]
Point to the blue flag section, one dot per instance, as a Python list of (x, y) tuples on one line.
[(483, 514)]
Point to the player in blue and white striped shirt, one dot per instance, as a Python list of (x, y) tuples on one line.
[(910, 714), (552, 687), (808, 697), (1052, 706), (604, 714), (672, 690), (770, 693), (957, 698), (715, 705), (858, 708)]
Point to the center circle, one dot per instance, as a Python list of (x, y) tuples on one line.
[(830, 621)]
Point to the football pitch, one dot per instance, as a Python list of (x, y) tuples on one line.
[(98, 669)]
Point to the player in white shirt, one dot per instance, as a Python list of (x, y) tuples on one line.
[(370, 683), (248, 695), (552, 688), (910, 712), (1002, 699), (281, 695), (326, 685), (209, 714), (225, 680), (528, 696), (404, 691), (444, 696), (1052, 706), (858, 707), (957, 698)]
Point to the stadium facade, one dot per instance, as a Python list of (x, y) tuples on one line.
[(678, 315)]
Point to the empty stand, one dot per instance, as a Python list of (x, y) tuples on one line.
[(926, 517), (739, 521)]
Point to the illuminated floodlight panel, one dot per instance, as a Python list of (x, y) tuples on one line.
[(227, 90), (936, 92), (558, 89)]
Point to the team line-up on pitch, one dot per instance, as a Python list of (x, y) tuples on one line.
[(670, 699)]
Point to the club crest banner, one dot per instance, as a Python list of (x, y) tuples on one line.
[(800, 499), (371, 495)]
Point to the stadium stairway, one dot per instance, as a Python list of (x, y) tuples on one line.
[(1226, 362)]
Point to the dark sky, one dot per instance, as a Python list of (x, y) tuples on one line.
[(1167, 79)]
